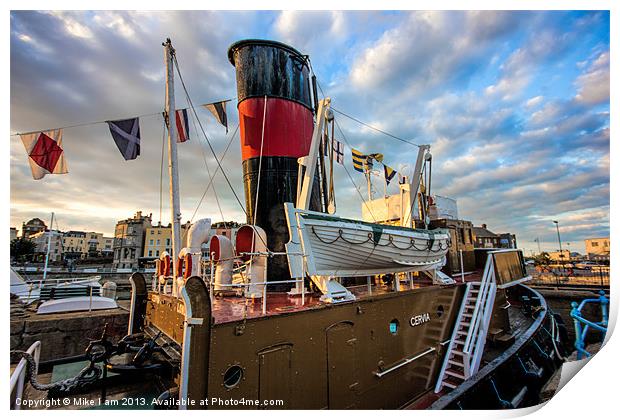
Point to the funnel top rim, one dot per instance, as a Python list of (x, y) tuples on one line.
[(255, 41)]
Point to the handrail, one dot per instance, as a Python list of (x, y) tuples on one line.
[(578, 319), (451, 341), (474, 340), (481, 298), (405, 362), (18, 377)]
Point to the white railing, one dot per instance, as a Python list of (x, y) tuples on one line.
[(476, 335), (451, 343), (18, 377)]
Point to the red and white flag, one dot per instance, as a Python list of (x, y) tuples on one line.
[(45, 153)]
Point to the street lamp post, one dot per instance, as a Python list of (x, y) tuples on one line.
[(557, 226)]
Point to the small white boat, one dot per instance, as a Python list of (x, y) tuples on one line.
[(29, 291), (73, 304), (351, 248)]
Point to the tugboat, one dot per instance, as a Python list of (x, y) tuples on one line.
[(302, 309)]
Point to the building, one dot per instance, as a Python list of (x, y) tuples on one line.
[(484, 238), (507, 240), (74, 244), (107, 246), (80, 245), (129, 236), (33, 226), (158, 239), (597, 249), (13, 234), (41, 239)]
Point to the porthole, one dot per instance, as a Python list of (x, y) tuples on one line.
[(233, 376), (394, 326), (440, 311)]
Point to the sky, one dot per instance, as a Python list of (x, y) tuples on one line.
[(514, 104)]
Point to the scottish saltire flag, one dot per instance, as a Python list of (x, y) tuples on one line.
[(360, 160), (338, 151), (45, 154), (389, 174), (126, 135), (218, 109), (182, 125)]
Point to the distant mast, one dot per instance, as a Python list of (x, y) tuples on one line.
[(172, 157)]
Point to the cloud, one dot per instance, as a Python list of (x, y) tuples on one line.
[(514, 104), (593, 85)]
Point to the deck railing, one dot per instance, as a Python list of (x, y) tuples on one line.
[(18, 377)]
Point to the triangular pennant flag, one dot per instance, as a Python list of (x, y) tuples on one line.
[(45, 153), (218, 109), (377, 156), (338, 151), (182, 125), (360, 160), (389, 174), (126, 135)]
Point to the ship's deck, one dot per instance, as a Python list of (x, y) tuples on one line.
[(235, 308)]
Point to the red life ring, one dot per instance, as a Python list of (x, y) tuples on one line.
[(187, 270), (179, 267), (166, 266)]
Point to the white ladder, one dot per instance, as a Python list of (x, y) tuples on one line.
[(466, 346)]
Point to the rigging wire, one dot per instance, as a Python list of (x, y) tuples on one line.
[(161, 170), (357, 120), (214, 174), (204, 158), (260, 162), (81, 124), (349, 174), (374, 128), (219, 164)]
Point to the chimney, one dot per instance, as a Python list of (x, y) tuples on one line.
[(484, 226)]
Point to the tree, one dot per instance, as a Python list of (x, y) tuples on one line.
[(22, 248)]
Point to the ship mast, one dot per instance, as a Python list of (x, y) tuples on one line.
[(172, 156)]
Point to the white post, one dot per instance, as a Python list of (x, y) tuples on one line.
[(415, 184), (47, 256), (462, 269), (303, 196), (172, 157)]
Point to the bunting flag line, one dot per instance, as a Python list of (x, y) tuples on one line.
[(182, 125), (45, 153), (360, 161), (338, 151), (377, 156), (389, 174), (218, 109), (126, 135)]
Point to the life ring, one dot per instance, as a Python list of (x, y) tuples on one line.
[(187, 269), (180, 267), (165, 267)]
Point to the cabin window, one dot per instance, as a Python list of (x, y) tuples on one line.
[(440, 311), (394, 326), (233, 376)]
